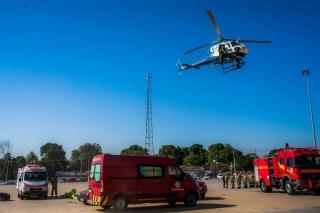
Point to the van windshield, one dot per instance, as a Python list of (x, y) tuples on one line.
[(35, 176), (307, 162)]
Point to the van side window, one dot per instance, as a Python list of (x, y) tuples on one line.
[(150, 171), (281, 161), (174, 171), (290, 162)]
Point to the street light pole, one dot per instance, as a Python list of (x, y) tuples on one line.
[(306, 74)]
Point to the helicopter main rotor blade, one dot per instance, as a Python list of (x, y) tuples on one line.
[(254, 41), (214, 23), (197, 48)]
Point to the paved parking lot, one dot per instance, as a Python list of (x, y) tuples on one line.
[(218, 200)]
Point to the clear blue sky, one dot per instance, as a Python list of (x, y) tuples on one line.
[(74, 72)]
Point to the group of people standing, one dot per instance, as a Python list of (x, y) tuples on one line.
[(247, 178)]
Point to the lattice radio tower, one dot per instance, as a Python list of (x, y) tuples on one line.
[(149, 126)]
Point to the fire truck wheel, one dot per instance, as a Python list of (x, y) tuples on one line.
[(190, 199), (264, 187), (288, 187), (120, 203)]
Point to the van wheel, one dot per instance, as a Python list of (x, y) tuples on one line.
[(190, 199), (264, 187), (120, 203), (288, 187)]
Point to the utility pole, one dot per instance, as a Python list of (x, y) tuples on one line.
[(149, 126), (306, 73)]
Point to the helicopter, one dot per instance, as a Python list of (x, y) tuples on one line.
[(228, 53)]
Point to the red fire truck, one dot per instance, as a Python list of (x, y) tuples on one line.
[(117, 180), (289, 168)]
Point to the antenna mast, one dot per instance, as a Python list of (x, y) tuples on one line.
[(149, 126)]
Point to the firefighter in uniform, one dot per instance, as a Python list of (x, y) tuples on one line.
[(239, 180), (54, 183), (245, 180), (227, 180), (232, 180)]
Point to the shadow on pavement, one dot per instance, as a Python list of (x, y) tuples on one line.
[(177, 208), (214, 198)]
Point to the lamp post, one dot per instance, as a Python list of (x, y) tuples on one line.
[(306, 73)]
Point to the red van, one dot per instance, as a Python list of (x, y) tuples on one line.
[(117, 180)]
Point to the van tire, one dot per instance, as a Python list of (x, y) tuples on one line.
[(120, 203), (190, 199)]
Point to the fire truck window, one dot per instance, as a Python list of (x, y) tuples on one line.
[(281, 161), (290, 162), (151, 171), (97, 172)]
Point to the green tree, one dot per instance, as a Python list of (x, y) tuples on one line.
[(53, 157), (172, 151), (197, 156), (134, 150), (32, 158), (81, 158)]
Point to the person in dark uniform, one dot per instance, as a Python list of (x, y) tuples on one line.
[(54, 183), (232, 180), (222, 51), (227, 180), (224, 180), (239, 177), (245, 180)]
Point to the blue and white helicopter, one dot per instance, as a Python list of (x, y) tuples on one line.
[(228, 53)]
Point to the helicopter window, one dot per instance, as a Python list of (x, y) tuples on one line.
[(228, 45), (233, 43)]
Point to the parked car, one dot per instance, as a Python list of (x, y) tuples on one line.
[(220, 176), (207, 177)]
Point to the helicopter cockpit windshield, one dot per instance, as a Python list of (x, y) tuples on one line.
[(233, 43)]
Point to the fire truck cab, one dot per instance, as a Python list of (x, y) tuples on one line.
[(117, 180), (289, 168)]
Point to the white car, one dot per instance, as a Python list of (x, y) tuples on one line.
[(219, 176), (206, 177)]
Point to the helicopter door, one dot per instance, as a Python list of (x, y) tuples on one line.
[(228, 47)]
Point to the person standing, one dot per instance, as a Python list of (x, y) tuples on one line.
[(224, 180), (227, 180), (232, 180), (245, 180), (54, 183), (239, 180)]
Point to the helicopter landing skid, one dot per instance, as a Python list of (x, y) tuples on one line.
[(234, 66)]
